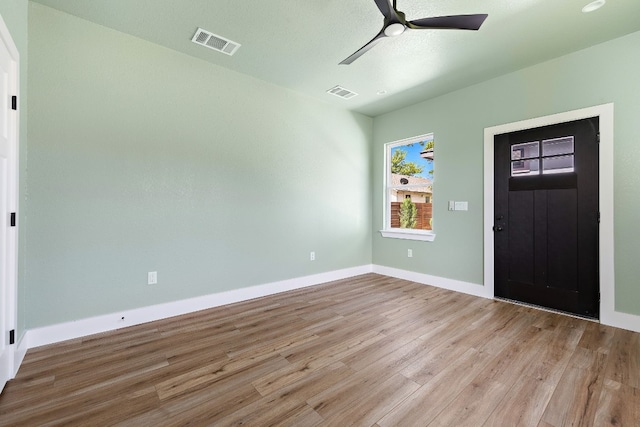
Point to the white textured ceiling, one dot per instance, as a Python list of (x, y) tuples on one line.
[(298, 44)]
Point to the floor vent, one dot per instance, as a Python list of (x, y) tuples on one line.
[(215, 42), (341, 92)]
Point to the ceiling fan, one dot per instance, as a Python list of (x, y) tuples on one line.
[(395, 24)]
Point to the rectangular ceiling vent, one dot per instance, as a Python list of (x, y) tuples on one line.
[(215, 42), (341, 92)]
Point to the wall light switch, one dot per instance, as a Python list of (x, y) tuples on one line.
[(452, 205), (461, 206), (410, 253)]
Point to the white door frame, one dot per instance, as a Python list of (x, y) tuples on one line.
[(607, 277), (9, 306)]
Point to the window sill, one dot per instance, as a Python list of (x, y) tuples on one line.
[(427, 236)]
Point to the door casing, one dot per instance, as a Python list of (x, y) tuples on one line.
[(606, 249)]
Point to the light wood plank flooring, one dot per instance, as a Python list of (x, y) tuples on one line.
[(368, 351)]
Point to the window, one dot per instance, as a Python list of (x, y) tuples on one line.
[(557, 157), (408, 189)]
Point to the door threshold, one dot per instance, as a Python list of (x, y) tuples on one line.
[(547, 309)]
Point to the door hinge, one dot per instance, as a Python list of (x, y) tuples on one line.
[(598, 136), (12, 336), (14, 102), (598, 217), (13, 219)]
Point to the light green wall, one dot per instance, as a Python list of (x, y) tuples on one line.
[(143, 159), (601, 74), (14, 14)]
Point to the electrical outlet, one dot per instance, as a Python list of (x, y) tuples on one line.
[(410, 253), (312, 256), (152, 277)]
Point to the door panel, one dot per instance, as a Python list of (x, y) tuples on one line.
[(521, 237), (562, 239), (546, 223)]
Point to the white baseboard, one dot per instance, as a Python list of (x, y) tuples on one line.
[(70, 330), (80, 328), (618, 319), (21, 351), (440, 282)]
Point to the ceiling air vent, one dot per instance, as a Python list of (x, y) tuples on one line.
[(215, 42), (341, 92)]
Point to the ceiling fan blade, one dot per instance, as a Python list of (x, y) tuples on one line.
[(385, 7), (364, 48), (456, 22)]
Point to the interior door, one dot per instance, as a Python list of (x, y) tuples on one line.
[(8, 178), (546, 217)]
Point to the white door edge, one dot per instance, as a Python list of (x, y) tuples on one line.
[(9, 305)]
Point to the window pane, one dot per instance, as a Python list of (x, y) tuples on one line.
[(525, 150), (560, 164), (410, 184), (557, 146), (525, 167), (411, 161), (410, 208)]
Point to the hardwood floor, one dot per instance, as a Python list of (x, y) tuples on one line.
[(368, 351)]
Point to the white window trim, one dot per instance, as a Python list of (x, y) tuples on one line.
[(400, 233), (394, 233)]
